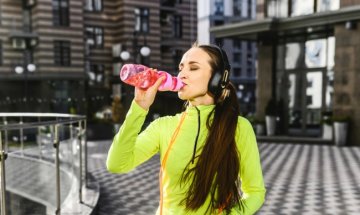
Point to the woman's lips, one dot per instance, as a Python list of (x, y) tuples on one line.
[(182, 88)]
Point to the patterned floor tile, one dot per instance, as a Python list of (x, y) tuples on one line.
[(300, 179)]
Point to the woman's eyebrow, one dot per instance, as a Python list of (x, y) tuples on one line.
[(190, 62), (194, 62)]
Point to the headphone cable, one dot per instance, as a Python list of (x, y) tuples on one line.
[(197, 136)]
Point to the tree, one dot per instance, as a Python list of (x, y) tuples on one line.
[(118, 111)]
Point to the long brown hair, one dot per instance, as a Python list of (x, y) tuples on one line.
[(216, 172)]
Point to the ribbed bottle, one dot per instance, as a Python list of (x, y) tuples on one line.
[(144, 77)]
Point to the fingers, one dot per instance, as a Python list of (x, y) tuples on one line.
[(158, 83), (138, 90), (145, 98)]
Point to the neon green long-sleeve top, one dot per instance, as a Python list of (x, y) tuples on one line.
[(129, 149)]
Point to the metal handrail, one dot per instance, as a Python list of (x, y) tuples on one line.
[(2, 176), (74, 121), (61, 119), (27, 114)]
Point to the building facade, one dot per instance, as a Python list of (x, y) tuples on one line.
[(42, 55), (64, 55), (306, 61), (241, 53)]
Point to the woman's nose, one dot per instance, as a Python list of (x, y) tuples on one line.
[(181, 75)]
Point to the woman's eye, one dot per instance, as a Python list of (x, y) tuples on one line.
[(193, 69)]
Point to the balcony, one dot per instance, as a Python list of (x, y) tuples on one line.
[(43, 165), (23, 39)]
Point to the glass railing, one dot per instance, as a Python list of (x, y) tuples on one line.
[(42, 162)]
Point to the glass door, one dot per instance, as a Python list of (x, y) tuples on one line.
[(305, 99)]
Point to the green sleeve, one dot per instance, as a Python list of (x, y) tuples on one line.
[(252, 182), (129, 148)]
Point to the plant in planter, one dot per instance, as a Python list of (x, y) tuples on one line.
[(327, 125), (341, 125), (118, 113), (99, 128), (270, 117), (259, 125)]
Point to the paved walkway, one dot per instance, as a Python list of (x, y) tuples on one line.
[(300, 179)]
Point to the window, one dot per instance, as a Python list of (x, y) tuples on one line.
[(308, 54), (219, 42), (237, 7), (218, 22), (177, 27), (249, 46), (249, 60), (94, 37), (219, 7), (93, 5), (293, 55), (303, 7), (249, 8), (277, 8), (237, 57), (96, 74), (237, 72), (60, 12), (237, 44), (62, 53), (286, 8), (315, 53), (249, 72), (177, 55), (142, 20), (327, 5)]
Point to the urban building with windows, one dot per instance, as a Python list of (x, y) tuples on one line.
[(57, 55), (241, 53), (307, 61)]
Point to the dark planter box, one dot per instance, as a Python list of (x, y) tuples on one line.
[(99, 131)]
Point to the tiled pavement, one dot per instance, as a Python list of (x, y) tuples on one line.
[(134, 193), (300, 179)]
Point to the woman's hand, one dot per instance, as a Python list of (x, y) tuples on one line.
[(145, 98)]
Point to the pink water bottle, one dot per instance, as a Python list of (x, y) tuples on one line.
[(143, 77)]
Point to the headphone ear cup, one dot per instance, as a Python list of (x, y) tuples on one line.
[(215, 83)]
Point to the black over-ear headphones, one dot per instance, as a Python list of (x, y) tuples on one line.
[(220, 78)]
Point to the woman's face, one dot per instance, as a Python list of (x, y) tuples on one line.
[(195, 72)]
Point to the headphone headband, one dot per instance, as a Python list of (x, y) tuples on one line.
[(220, 78)]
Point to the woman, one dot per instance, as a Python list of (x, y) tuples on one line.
[(209, 157)]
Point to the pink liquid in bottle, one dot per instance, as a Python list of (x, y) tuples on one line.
[(143, 77)]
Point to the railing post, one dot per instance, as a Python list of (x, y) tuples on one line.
[(85, 153), (5, 147), (71, 131), (38, 138), (57, 164), (21, 137), (2, 175), (80, 162)]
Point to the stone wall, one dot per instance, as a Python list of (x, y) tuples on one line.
[(346, 3), (263, 79), (347, 77)]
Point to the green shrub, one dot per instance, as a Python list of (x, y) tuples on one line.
[(271, 108)]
